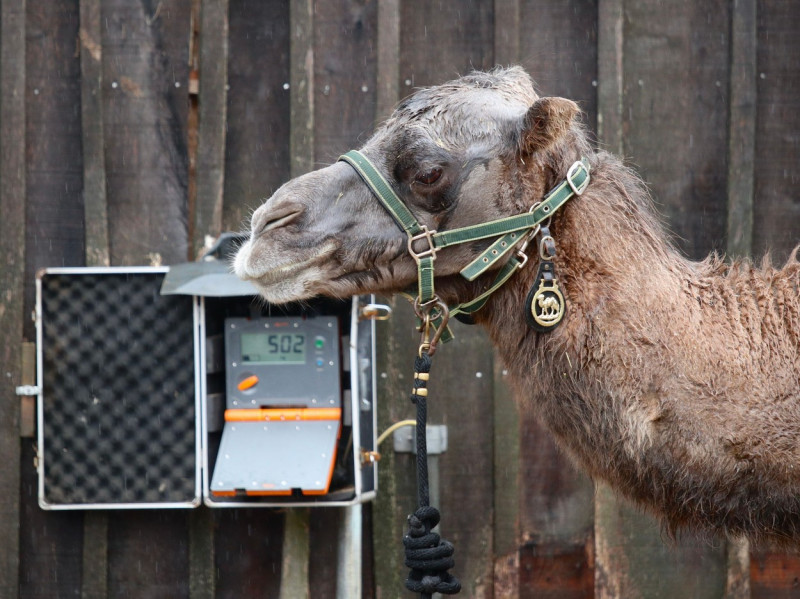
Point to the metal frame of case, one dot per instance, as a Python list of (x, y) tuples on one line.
[(361, 353)]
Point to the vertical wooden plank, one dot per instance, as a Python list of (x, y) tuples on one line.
[(345, 74), (742, 128), (737, 583), (54, 188), (461, 37), (776, 218), (202, 580), (506, 32), (94, 572), (51, 543), (247, 552), (324, 573), (388, 58), (294, 565), (148, 554), (367, 553), (94, 167), (301, 81), (12, 272), (212, 104), (561, 51), (145, 109), (256, 143), (27, 408), (609, 74), (506, 485), (776, 210), (675, 58), (739, 231)]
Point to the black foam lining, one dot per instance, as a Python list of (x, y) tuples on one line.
[(118, 390)]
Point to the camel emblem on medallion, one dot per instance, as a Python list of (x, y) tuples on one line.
[(547, 305)]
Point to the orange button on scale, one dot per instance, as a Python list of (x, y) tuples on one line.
[(247, 383)]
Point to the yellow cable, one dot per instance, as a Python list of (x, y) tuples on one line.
[(393, 428)]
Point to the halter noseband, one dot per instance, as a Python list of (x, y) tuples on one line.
[(511, 232)]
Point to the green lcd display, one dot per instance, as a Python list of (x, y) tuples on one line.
[(273, 348)]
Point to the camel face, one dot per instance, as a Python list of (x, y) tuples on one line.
[(444, 147)]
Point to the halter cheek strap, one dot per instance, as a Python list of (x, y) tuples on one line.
[(511, 232)]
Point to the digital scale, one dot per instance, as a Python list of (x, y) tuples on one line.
[(283, 406), (199, 393)]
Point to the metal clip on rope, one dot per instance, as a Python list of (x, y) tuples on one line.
[(434, 316)]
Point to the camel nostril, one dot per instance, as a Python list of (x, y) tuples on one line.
[(275, 218)]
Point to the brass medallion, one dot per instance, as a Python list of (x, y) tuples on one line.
[(547, 304)]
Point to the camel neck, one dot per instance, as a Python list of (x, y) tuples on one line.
[(603, 239)]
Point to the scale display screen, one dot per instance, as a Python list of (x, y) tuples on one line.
[(273, 348), (282, 360)]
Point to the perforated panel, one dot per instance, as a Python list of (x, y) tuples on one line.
[(118, 391)]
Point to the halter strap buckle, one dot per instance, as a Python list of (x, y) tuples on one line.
[(431, 250), (573, 170)]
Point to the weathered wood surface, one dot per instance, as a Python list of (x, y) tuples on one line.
[(145, 108), (776, 211), (212, 105), (257, 124), (776, 207), (95, 204), (702, 97), (51, 544), (676, 70), (12, 279)]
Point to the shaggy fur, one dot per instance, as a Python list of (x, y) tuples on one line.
[(676, 382)]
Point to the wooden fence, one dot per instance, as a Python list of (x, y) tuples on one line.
[(131, 131)]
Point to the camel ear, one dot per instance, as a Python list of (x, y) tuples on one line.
[(547, 121)]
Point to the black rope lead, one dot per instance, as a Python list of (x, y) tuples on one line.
[(428, 556)]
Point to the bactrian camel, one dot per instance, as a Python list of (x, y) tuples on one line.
[(676, 382)]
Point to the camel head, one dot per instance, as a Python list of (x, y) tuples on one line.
[(466, 152)]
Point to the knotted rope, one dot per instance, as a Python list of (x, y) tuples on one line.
[(428, 556)]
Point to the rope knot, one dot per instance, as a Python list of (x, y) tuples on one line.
[(428, 556)]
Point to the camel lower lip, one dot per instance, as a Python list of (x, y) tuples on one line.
[(279, 273)]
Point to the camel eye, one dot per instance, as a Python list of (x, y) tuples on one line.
[(430, 177)]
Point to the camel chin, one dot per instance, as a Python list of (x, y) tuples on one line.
[(280, 281)]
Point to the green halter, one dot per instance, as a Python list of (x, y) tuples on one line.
[(512, 232)]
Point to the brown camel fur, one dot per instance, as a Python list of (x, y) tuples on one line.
[(676, 382)]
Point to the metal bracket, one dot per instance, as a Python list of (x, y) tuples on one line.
[(29, 390), (405, 439)]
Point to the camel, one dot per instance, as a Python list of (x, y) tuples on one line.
[(676, 382)]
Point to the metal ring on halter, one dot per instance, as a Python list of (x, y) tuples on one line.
[(423, 310), (428, 312), (542, 252)]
